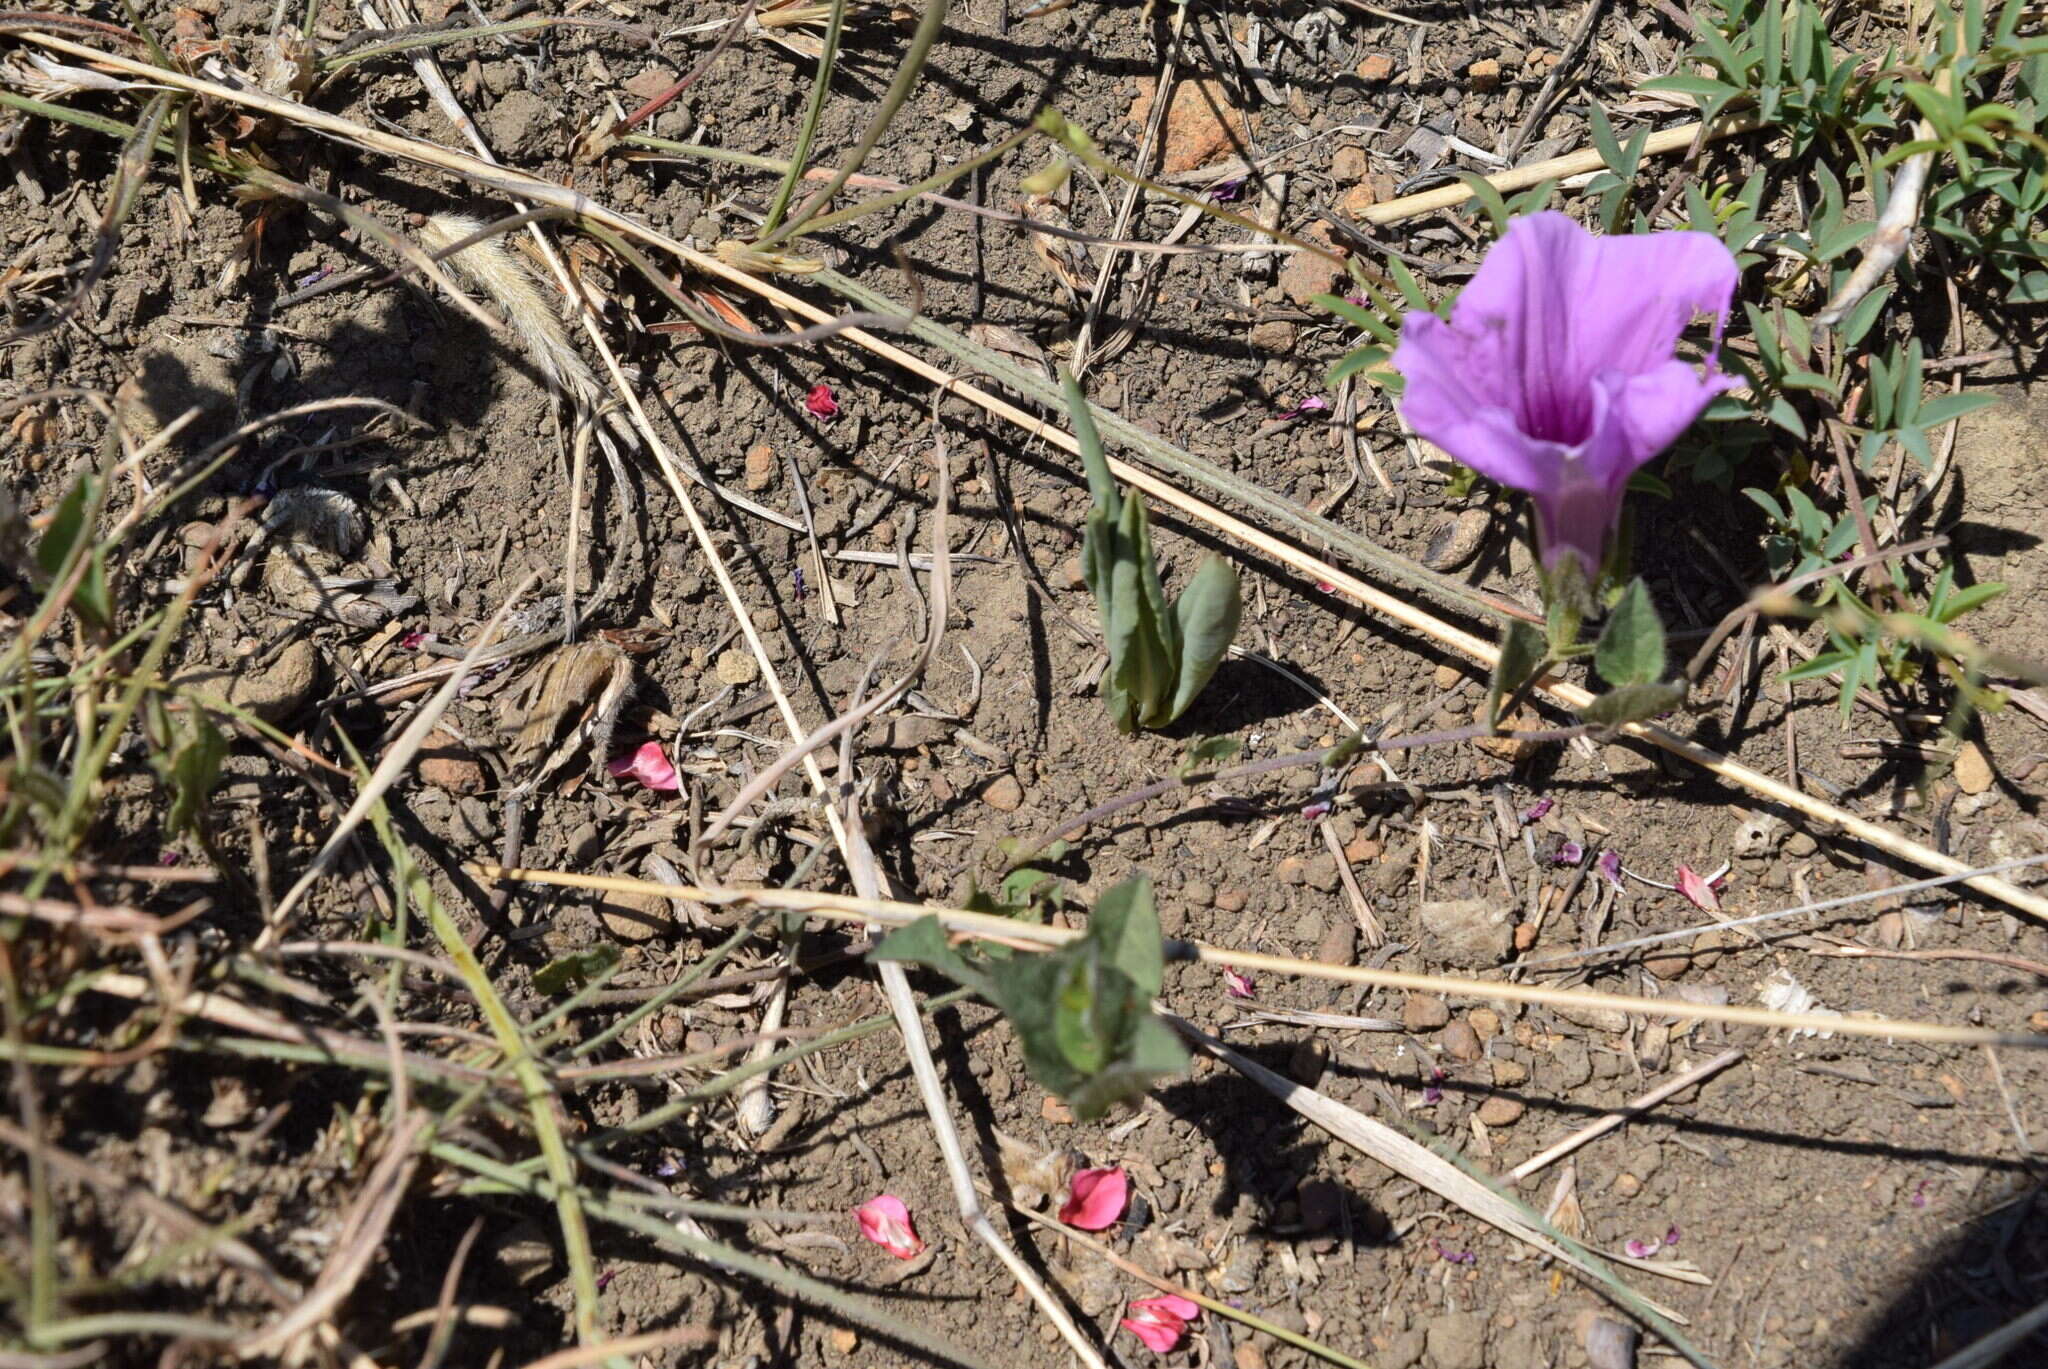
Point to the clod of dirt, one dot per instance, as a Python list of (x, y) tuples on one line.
[(1473, 933), (274, 692), (1202, 124), (1973, 769), (1501, 1112), (445, 763), (526, 1254), (1610, 1344), (736, 667), (1376, 68), (1322, 1203), (1304, 275), (1759, 836), (1705, 950), (520, 124), (636, 917), (1454, 541), (1456, 1341), (761, 469), (1629, 767), (1461, 1043), (307, 580), (166, 383), (1004, 794), (1510, 749)]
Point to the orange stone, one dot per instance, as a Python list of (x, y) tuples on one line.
[(1202, 125)]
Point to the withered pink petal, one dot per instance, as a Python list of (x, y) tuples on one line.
[(648, 764), (1161, 1322), (820, 402), (1642, 1250), (886, 1221), (1697, 891), (1096, 1198), (1238, 985)]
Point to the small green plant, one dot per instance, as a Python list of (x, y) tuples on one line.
[(1082, 1014), (1161, 654)]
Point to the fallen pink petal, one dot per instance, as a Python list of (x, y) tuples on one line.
[(1537, 811), (1569, 853), (1096, 1198), (1238, 985), (1161, 1322), (820, 402), (886, 1221), (1314, 404), (648, 764), (1610, 867), (1642, 1250), (413, 641), (1671, 1236), (1697, 891)]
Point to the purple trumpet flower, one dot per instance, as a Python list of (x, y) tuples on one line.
[(1558, 374)]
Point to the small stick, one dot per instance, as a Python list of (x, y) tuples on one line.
[(1571, 164), (894, 913), (1633, 1110)]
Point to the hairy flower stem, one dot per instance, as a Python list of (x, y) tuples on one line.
[(1354, 745)]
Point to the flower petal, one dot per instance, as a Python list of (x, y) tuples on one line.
[(1697, 891), (648, 764), (1096, 1198), (886, 1221), (1449, 401), (1569, 306), (1161, 1322)]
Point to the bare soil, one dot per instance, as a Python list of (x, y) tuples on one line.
[(1848, 1202)]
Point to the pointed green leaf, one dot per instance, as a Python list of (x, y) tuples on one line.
[(1521, 656), (194, 769), (1206, 617), (1206, 754), (1126, 923), (1631, 647), (568, 973), (924, 942), (1632, 703)]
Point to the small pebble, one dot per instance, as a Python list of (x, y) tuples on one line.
[(736, 667), (1461, 1043), (1422, 1013), (1973, 769), (1004, 794), (1501, 1112)]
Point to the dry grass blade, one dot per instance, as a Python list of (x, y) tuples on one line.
[(1584, 162), (129, 176), (362, 1235), (1989, 1350), (395, 763), (849, 908), (627, 1345), (1425, 1167), (1636, 1108)]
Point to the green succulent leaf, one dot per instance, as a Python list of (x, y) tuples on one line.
[(1082, 1014), (1161, 652)]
